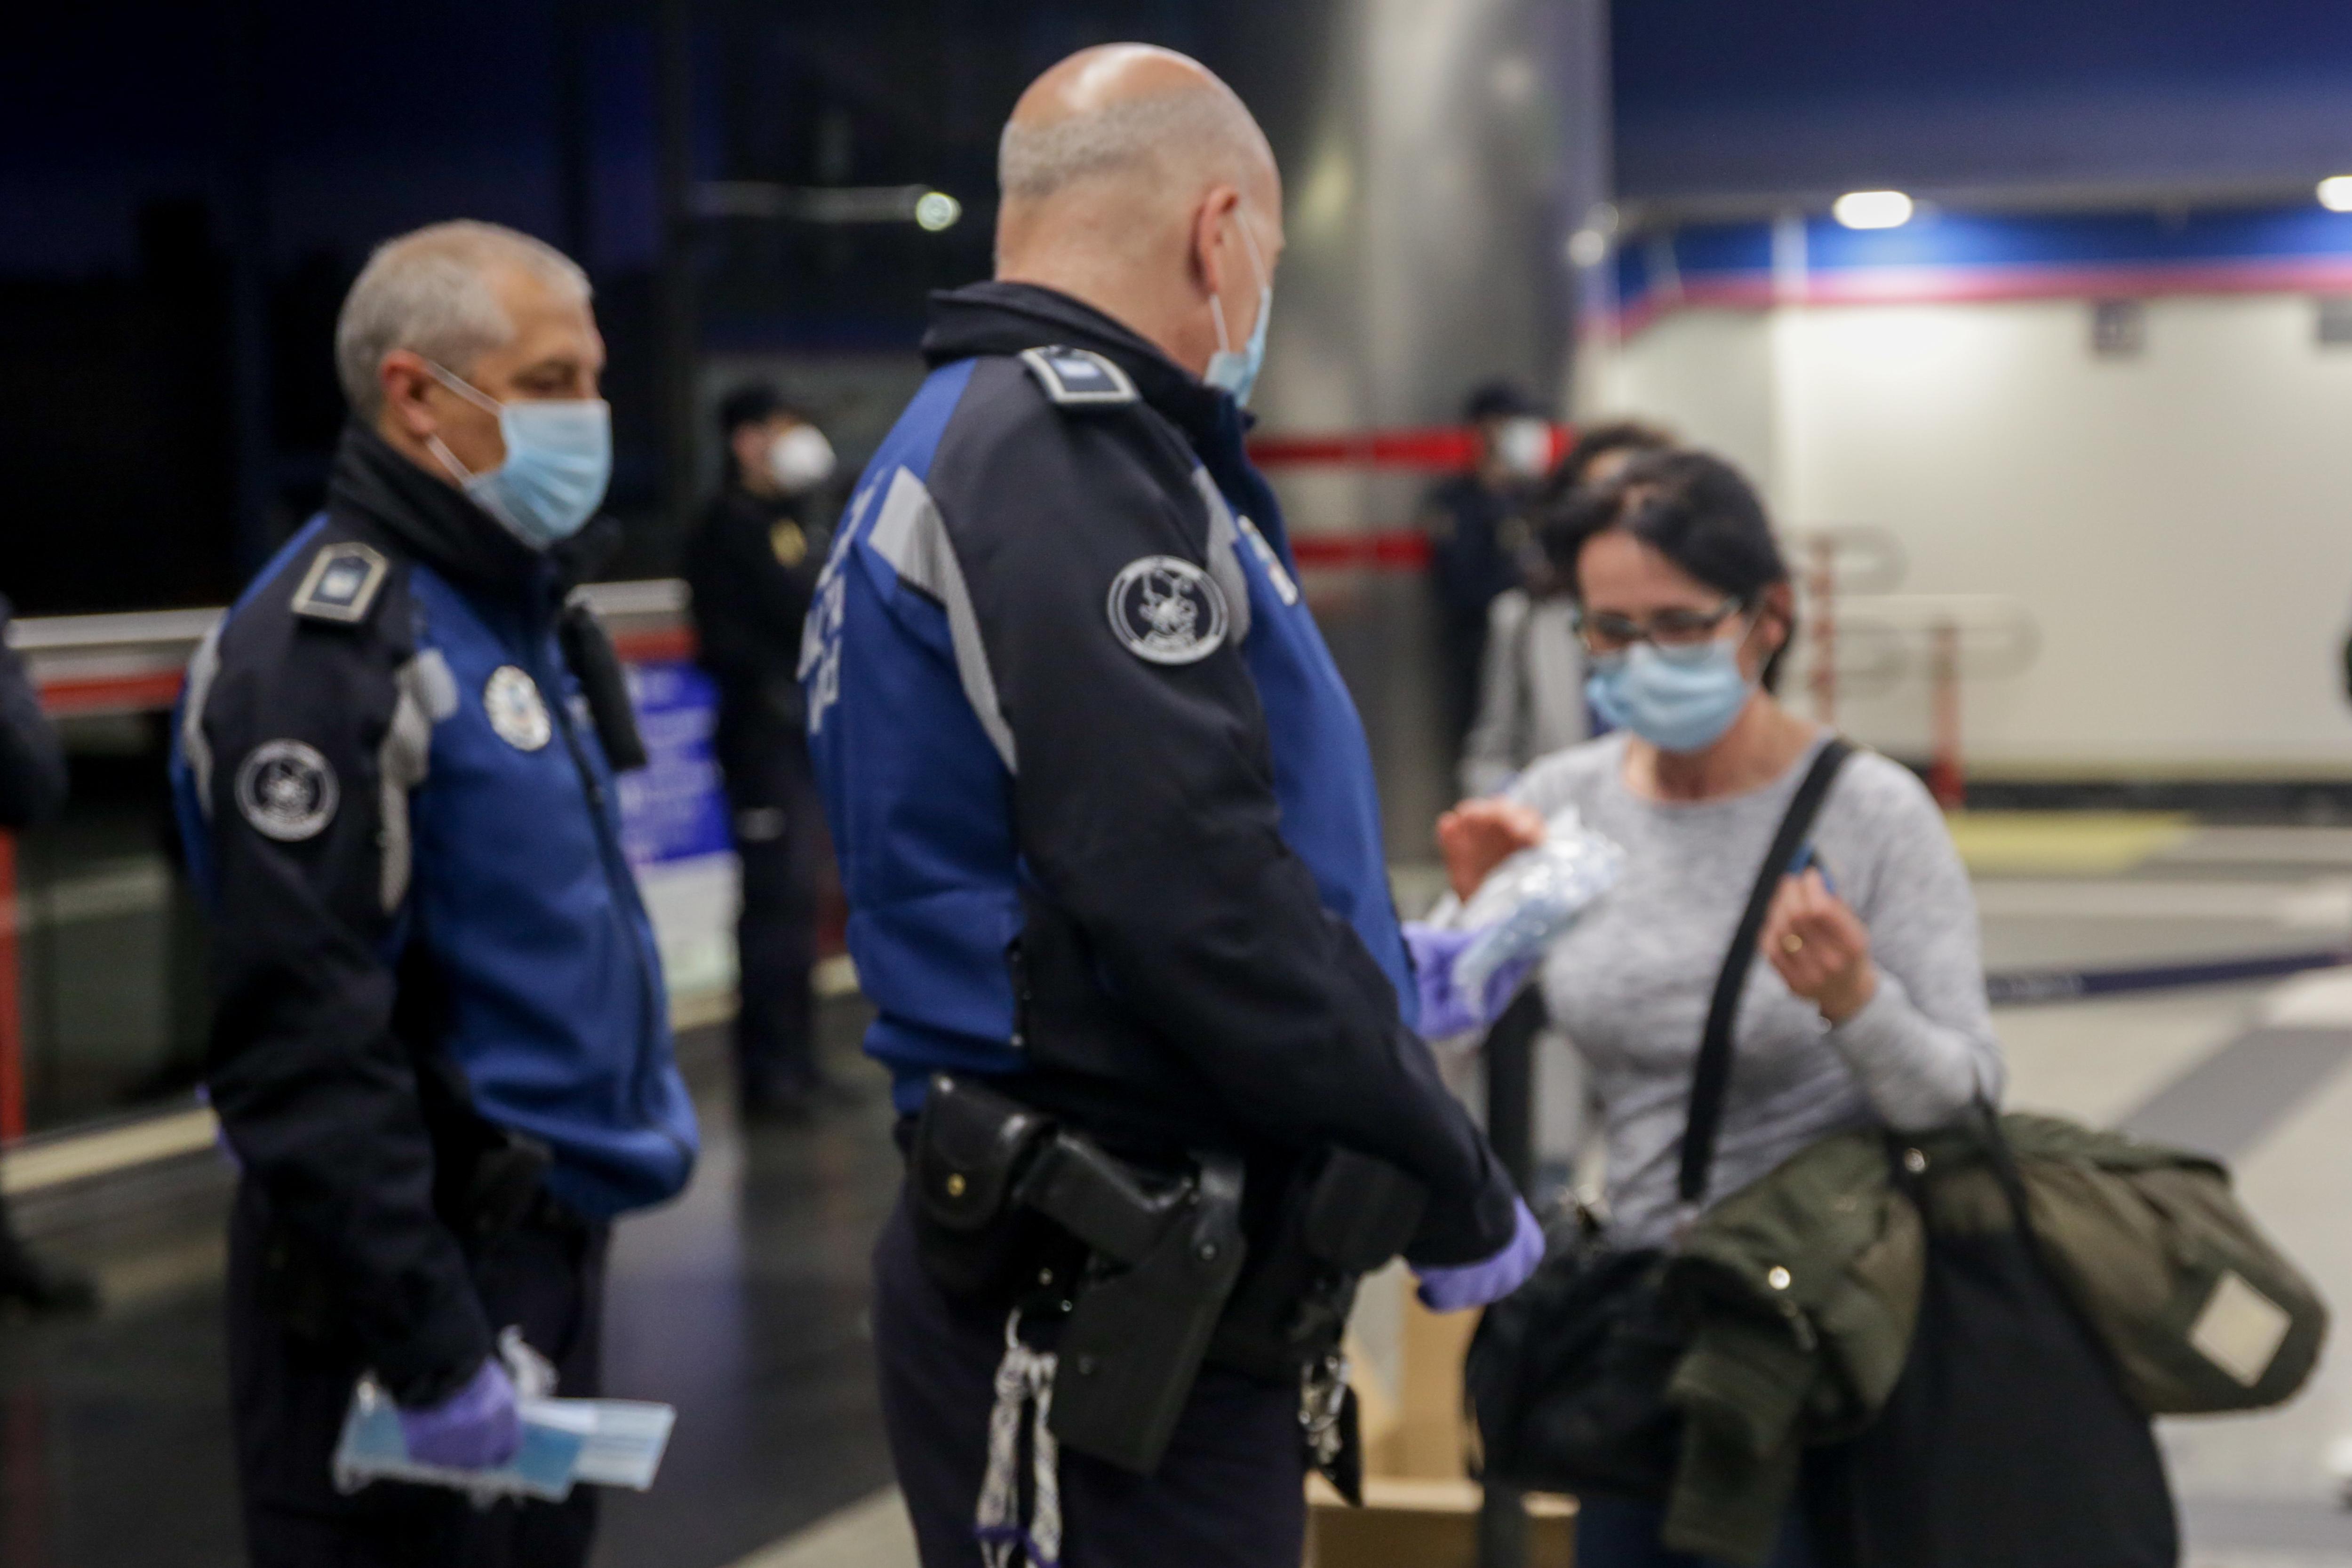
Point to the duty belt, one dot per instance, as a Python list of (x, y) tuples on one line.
[(1145, 1266)]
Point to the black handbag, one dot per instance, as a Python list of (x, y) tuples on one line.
[(2009, 1441), (1568, 1375)]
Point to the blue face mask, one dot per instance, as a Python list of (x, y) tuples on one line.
[(1236, 372), (558, 462), (1677, 700)]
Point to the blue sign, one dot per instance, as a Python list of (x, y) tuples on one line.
[(673, 808)]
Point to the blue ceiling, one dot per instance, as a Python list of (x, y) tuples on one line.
[(1728, 96)]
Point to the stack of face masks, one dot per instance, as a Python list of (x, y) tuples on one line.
[(1527, 902), (604, 1442)]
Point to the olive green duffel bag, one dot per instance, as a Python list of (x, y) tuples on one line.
[(2200, 1309)]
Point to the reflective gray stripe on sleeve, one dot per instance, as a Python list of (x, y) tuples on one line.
[(427, 692), (202, 668), (1224, 557), (912, 537)]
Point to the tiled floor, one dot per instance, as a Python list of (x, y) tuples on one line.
[(745, 1303)]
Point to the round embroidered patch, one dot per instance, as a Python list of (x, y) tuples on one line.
[(1167, 610), (516, 709), (287, 790)]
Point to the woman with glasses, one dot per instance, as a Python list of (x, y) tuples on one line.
[(1871, 1010)]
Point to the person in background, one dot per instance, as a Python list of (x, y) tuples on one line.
[(1531, 689), (32, 789), (753, 565), (1480, 538), (1873, 1012), (440, 1047)]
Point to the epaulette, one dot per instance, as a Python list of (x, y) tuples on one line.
[(342, 583), (1078, 378)]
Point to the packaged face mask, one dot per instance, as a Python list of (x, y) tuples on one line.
[(604, 1442), (1528, 900)]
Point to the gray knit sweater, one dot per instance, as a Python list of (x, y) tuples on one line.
[(1630, 982)]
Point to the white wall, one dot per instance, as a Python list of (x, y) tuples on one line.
[(2179, 524)]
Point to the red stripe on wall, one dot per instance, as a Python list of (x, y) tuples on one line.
[(1389, 549)]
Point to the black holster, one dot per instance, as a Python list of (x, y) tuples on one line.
[(1012, 1209), (1159, 1255)]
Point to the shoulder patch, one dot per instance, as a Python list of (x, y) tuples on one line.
[(1078, 378), (287, 790), (1167, 610), (341, 584)]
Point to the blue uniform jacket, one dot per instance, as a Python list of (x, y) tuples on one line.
[(399, 810), (1105, 811)]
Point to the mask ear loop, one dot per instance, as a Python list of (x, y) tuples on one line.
[(471, 394), (1257, 266)]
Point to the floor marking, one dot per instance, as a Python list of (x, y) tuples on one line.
[(2225, 1105), (872, 1533), (2312, 1001), (2324, 904), (2078, 841), (51, 1163)]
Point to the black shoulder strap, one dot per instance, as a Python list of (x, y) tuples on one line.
[(1712, 1077)]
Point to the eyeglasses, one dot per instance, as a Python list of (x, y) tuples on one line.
[(1603, 633)]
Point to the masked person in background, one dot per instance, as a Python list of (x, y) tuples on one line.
[(753, 565), (1872, 1010), (1480, 541), (440, 1047), (1531, 685)]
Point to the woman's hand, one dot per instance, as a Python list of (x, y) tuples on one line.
[(1479, 835), (1820, 946)]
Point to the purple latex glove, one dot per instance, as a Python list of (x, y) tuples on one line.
[(1444, 1010), (1471, 1285), (476, 1428)]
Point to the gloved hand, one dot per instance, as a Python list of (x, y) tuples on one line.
[(1468, 1285), (1444, 1010), (477, 1428)]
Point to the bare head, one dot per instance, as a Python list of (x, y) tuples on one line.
[(1134, 180), (498, 311)]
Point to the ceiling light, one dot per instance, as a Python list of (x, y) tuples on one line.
[(2335, 194), (1872, 209), (936, 210)]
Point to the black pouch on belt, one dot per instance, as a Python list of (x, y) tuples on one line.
[(972, 1148), (1344, 1215)]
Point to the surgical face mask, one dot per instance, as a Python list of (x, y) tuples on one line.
[(1524, 446), (799, 459), (1236, 372), (1677, 699), (558, 462)]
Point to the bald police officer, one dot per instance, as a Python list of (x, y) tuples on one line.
[(440, 1050), (1113, 853)]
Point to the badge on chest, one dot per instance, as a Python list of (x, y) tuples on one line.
[(517, 712)]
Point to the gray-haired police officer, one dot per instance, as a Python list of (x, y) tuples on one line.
[(441, 1049), (1109, 830)]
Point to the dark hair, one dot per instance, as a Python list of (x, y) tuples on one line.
[(1598, 441), (754, 403), (1692, 507), (1499, 399)]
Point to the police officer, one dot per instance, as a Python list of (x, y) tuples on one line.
[(752, 564), (440, 1050), (32, 789), (1105, 813)]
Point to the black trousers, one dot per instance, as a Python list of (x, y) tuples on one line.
[(289, 1390), (779, 830), (1231, 1491)]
